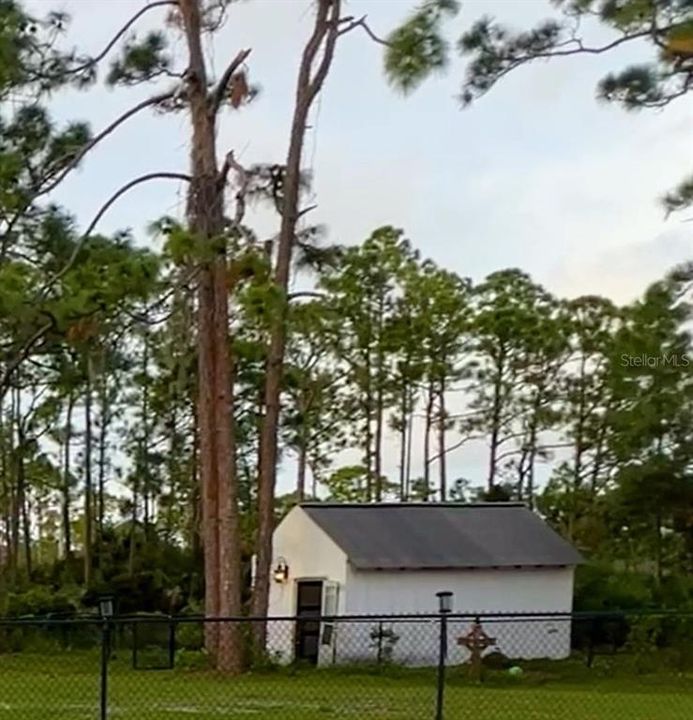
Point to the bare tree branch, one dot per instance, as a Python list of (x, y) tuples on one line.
[(578, 49), (219, 92), (455, 446), (328, 53), (97, 58), (309, 52), (539, 449), (128, 186), (154, 100), (22, 355), (306, 210), (230, 163), (361, 23), (102, 211), (143, 316), (581, 49)]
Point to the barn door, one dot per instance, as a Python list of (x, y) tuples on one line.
[(330, 608)]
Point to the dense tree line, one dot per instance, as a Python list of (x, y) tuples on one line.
[(152, 389), (390, 353)]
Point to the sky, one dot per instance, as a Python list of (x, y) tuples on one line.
[(538, 174)]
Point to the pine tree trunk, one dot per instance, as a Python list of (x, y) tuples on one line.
[(409, 439), (175, 460), (428, 424), (23, 501), (403, 444), (378, 449), (101, 480), (14, 535), (531, 462), (442, 450), (221, 526), (304, 406), (100, 497), (88, 485), (314, 480), (368, 429), (379, 403), (66, 519), (6, 495), (146, 470), (579, 435), (204, 171), (658, 549), (496, 413), (14, 499), (207, 459), (133, 521), (301, 470), (521, 471), (39, 509), (230, 652), (599, 451), (196, 510), (308, 85), (580, 444)]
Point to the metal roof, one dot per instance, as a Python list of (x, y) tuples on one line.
[(426, 536)]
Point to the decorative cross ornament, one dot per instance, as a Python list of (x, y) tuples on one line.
[(476, 641)]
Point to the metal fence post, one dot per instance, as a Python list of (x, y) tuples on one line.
[(105, 655), (380, 641), (444, 607), (171, 642)]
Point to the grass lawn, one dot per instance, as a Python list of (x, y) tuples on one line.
[(66, 686)]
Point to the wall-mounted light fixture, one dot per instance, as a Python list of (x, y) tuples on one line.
[(281, 571)]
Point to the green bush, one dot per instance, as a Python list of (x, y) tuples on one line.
[(192, 660), (40, 601), (643, 642), (676, 637), (599, 587), (675, 593), (189, 636), (11, 640)]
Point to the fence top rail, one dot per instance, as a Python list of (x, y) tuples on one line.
[(487, 617)]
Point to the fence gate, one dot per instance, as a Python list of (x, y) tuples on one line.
[(153, 645)]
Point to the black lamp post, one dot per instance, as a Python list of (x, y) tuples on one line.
[(106, 612), (444, 609), (106, 607), (444, 602)]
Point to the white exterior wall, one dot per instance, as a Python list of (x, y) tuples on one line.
[(311, 555), (533, 590), (496, 590)]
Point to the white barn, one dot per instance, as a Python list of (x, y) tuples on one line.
[(384, 559)]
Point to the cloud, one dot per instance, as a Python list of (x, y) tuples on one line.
[(623, 273)]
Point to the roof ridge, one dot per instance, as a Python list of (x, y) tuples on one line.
[(380, 505)]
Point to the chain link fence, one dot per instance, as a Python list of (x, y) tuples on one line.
[(636, 666)]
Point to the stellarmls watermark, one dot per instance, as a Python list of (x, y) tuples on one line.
[(654, 361)]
